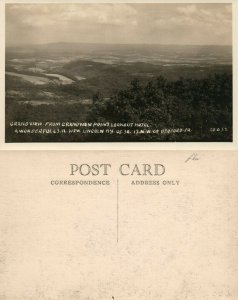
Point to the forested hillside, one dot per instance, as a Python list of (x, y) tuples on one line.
[(203, 105)]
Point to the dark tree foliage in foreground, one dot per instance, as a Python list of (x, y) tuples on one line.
[(204, 105)]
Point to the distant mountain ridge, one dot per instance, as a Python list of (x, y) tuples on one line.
[(82, 44)]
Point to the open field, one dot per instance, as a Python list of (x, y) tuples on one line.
[(32, 79), (66, 74)]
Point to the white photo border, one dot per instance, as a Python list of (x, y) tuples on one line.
[(120, 145)]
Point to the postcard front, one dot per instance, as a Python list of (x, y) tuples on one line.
[(119, 72)]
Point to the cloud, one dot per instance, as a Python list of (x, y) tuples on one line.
[(119, 23), (188, 9), (40, 15)]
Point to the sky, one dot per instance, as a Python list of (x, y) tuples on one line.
[(141, 23)]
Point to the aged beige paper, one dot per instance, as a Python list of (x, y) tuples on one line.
[(118, 75), (119, 234)]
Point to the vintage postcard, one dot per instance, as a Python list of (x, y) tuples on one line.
[(115, 225), (151, 74)]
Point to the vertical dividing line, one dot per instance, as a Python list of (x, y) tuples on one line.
[(117, 211)]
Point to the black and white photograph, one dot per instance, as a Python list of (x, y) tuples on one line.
[(118, 72)]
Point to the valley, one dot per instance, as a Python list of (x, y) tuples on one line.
[(63, 81)]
